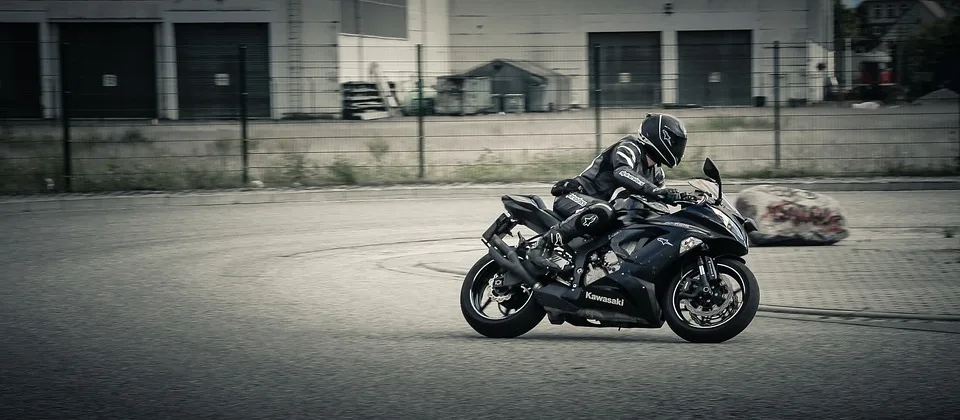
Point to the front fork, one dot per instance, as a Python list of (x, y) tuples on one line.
[(708, 275)]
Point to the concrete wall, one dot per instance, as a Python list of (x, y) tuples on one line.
[(816, 79), (319, 86), (427, 23), (820, 22), (556, 36), (318, 30)]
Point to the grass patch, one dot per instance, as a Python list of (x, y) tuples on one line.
[(28, 176), (690, 167), (107, 163), (299, 170), (167, 175), (491, 168), (715, 124), (695, 125), (125, 161)]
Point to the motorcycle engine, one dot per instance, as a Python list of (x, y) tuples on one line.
[(601, 263)]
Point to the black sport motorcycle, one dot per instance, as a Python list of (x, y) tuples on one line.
[(684, 267)]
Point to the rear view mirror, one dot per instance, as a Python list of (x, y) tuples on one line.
[(711, 171)]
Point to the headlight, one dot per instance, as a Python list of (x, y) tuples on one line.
[(688, 244), (732, 226)]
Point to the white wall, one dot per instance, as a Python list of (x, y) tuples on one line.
[(820, 22), (556, 36), (320, 27), (816, 79), (427, 24), (319, 85)]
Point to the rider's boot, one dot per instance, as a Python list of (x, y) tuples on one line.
[(558, 235)]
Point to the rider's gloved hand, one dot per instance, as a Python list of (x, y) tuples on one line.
[(669, 195), (565, 187), (691, 197)]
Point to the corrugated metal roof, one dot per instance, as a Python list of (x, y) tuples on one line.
[(527, 66)]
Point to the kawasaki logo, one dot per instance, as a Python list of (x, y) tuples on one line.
[(604, 299)]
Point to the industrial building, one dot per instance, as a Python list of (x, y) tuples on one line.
[(177, 59)]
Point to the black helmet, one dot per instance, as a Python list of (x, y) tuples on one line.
[(664, 137)]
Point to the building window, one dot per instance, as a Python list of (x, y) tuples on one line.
[(903, 9), (384, 18), (877, 11), (891, 11)]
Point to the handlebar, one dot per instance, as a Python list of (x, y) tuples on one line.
[(687, 199), (692, 199)]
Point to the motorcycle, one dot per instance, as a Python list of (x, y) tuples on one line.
[(685, 268)]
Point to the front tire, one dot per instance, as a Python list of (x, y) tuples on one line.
[(522, 313), (724, 329)]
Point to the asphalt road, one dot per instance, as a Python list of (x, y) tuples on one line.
[(297, 311)]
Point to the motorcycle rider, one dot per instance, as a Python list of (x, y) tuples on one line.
[(633, 165)]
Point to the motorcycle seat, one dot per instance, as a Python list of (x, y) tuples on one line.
[(532, 202), (532, 211)]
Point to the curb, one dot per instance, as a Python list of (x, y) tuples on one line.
[(413, 192), (793, 310)]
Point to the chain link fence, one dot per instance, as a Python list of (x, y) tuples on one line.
[(218, 119)]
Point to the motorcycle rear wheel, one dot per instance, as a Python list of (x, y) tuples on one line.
[(745, 310), (526, 312)]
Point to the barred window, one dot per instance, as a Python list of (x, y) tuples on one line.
[(385, 18)]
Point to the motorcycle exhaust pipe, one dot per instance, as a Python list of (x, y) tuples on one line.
[(507, 258)]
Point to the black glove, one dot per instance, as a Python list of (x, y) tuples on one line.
[(669, 195), (565, 187)]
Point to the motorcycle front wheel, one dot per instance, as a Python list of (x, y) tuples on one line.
[(493, 311), (712, 319)]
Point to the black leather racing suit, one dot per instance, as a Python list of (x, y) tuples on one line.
[(622, 165), (587, 210)]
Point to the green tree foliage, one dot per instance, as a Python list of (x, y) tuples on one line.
[(846, 21), (932, 57)]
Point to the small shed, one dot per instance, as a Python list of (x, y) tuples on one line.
[(542, 89), (463, 95)]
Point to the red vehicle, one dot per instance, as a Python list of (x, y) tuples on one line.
[(874, 69)]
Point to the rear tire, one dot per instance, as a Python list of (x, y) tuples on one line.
[(728, 329), (514, 325)]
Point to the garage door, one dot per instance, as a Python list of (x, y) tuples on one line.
[(110, 69), (208, 69), (715, 67), (20, 71), (629, 67)]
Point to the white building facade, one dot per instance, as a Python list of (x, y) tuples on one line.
[(178, 59)]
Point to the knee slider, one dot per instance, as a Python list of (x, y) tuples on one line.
[(595, 218)]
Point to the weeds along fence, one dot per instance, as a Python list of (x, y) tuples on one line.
[(231, 115)]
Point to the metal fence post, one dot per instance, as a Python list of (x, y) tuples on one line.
[(242, 85), (776, 103), (65, 120), (420, 108), (596, 98)]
